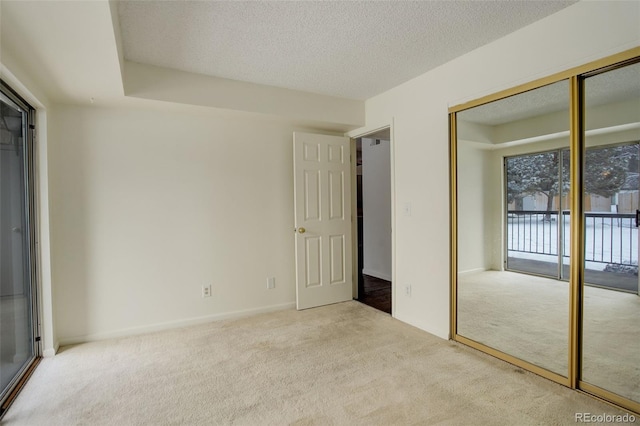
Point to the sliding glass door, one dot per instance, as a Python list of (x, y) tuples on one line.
[(17, 298)]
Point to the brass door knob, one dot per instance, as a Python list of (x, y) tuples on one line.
[(302, 230)]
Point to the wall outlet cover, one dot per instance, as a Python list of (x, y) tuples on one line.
[(206, 291)]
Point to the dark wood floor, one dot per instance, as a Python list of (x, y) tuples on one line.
[(377, 293)]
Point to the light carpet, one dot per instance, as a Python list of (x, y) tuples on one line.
[(344, 364)]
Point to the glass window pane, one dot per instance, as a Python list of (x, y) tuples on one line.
[(16, 336)]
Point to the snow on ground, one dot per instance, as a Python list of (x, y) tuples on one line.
[(608, 240)]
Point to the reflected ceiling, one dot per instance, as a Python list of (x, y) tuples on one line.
[(613, 86)]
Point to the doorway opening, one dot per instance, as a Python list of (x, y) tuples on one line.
[(373, 207)]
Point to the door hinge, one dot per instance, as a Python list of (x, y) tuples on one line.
[(38, 339)]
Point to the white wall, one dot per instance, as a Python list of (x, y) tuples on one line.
[(418, 109), (376, 202), (149, 204)]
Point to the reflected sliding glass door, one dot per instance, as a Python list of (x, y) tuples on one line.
[(537, 213), (18, 334)]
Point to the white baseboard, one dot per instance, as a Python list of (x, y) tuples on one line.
[(376, 274), (442, 333), (472, 271), (47, 353), (173, 324)]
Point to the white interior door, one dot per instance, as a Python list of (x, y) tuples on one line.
[(322, 199)]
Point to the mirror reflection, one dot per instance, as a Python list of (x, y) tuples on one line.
[(513, 225), (611, 316)]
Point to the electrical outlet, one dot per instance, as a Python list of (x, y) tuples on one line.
[(271, 283), (206, 290), (407, 290)]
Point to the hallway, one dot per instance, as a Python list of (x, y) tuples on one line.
[(377, 293)]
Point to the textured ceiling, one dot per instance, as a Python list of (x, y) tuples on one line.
[(351, 49)]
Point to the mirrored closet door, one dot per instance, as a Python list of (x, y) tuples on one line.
[(513, 226), (545, 204), (611, 307)]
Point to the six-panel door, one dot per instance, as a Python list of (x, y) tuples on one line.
[(322, 200)]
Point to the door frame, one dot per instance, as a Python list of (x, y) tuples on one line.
[(361, 133)]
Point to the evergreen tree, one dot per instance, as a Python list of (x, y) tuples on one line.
[(605, 172), (537, 173)]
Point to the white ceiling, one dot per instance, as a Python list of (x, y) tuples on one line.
[(350, 49)]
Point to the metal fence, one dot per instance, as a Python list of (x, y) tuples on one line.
[(610, 238)]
